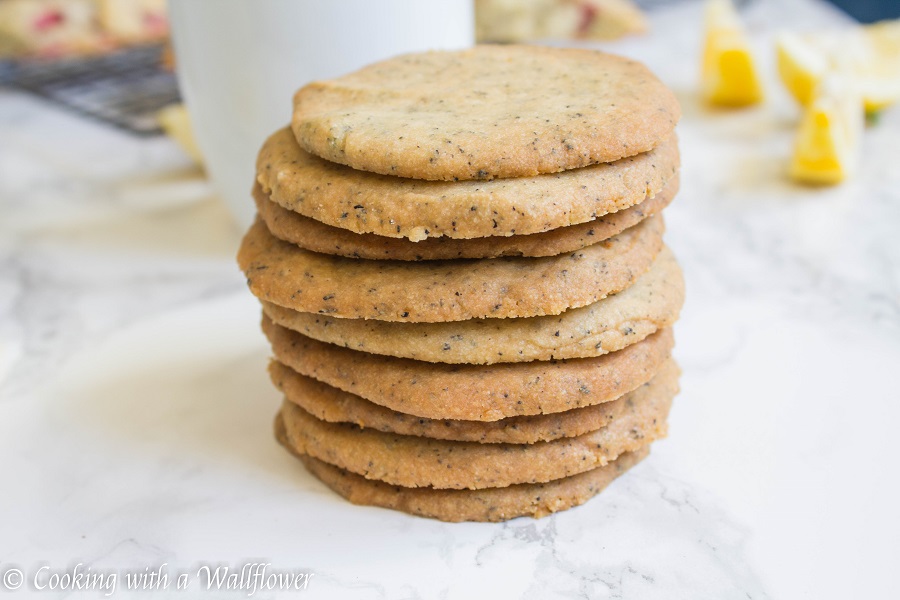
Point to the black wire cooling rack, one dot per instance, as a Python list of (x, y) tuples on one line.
[(125, 88)]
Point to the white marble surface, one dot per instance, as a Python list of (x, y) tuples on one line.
[(135, 412)]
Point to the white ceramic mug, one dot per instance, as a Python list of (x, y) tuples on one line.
[(240, 61)]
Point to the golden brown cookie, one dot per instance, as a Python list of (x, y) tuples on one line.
[(472, 392), (486, 112), (315, 236), (490, 504), (650, 304), (335, 406), (437, 291), (396, 207), (413, 461)]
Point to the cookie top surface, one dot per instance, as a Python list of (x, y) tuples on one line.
[(486, 112), (413, 461), (472, 392), (652, 303), (330, 404), (408, 208), (314, 235), (489, 504), (438, 291)]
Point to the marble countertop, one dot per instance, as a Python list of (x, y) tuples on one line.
[(135, 411)]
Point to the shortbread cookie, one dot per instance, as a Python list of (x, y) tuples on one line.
[(315, 236), (491, 504), (438, 291), (472, 392), (413, 461), (335, 406), (486, 112), (396, 207), (650, 304)]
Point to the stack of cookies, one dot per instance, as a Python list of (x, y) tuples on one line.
[(460, 261)]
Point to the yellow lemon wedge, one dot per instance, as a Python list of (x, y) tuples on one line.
[(176, 122), (869, 54), (729, 76), (800, 65), (827, 146)]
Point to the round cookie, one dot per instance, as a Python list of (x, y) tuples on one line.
[(489, 111), (650, 304), (490, 504), (396, 207), (472, 392), (318, 237), (289, 276), (335, 406), (412, 461)]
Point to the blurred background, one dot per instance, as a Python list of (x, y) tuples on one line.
[(113, 60)]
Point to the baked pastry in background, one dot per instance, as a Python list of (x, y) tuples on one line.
[(49, 27), (134, 21), (522, 20), (55, 28)]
